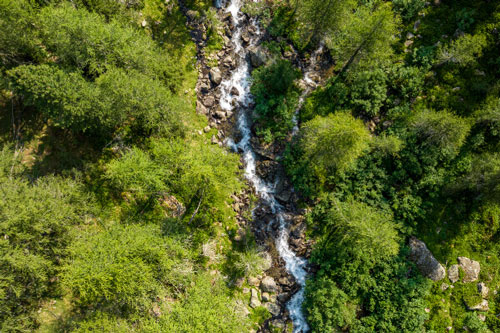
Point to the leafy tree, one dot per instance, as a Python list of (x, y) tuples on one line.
[(463, 51), (369, 91), (276, 97), (408, 8), (329, 145)]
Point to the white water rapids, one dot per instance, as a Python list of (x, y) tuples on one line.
[(240, 79)]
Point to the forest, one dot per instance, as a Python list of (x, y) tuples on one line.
[(123, 207)]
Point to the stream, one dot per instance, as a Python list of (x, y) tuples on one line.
[(240, 79)]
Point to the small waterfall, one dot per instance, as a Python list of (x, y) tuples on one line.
[(240, 79)]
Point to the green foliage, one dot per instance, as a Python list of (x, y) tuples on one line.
[(85, 41), (123, 269), (117, 99), (326, 146), (463, 51), (36, 220), (408, 8), (369, 91), (276, 97), (206, 307)]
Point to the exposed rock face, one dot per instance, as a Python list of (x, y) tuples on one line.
[(425, 261), (471, 269), (269, 285), (453, 273)]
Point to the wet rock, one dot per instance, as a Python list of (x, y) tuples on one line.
[(268, 284), (470, 267), (483, 289), (483, 306), (235, 91), (254, 299), (453, 273), (257, 56), (215, 76), (220, 114), (425, 261)]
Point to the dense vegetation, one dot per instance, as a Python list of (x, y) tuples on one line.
[(115, 210), (401, 140), (109, 196)]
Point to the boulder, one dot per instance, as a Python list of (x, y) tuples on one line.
[(254, 299), (266, 297), (209, 101), (273, 308), (471, 269), (483, 289), (483, 306), (453, 273), (425, 261), (215, 76), (269, 285), (253, 281), (235, 91), (257, 56)]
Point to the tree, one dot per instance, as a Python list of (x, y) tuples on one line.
[(331, 144), (276, 97), (369, 91), (123, 269), (463, 51)]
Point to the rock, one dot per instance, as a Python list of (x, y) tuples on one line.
[(483, 306), (220, 114), (453, 273), (425, 261), (200, 108), (266, 297), (209, 101), (239, 282), (245, 37), (267, 262), (214, 140), (215, 76), (257, 56), (273, 308), (444, 286), (471, 269), (246, 290), (268, 284), (254, 282), (483, 289), (278, 323), (481, 317), (144, 23), (234, 91), (254, 299), (206, 129)]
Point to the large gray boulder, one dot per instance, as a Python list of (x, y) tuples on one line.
[(425, 261), (257, 56), (215, 76), (471, 269)]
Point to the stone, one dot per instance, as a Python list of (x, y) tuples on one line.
[(274, 309), (246, 290), (444, 286), (483, 289), (481, 317), (254, 299), (253, 281), (214, 140), (483, 306), (200, 108), (220, 114), (267, 262), (471, 269), (257, 56), (239, 282), (234, 91), (206, 129), (278, 323), (266, 297), (425, 261), (268, 284), (453, 273), (209, 101), (215, 76)]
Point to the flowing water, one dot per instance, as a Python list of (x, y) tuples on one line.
[(240, 79)]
